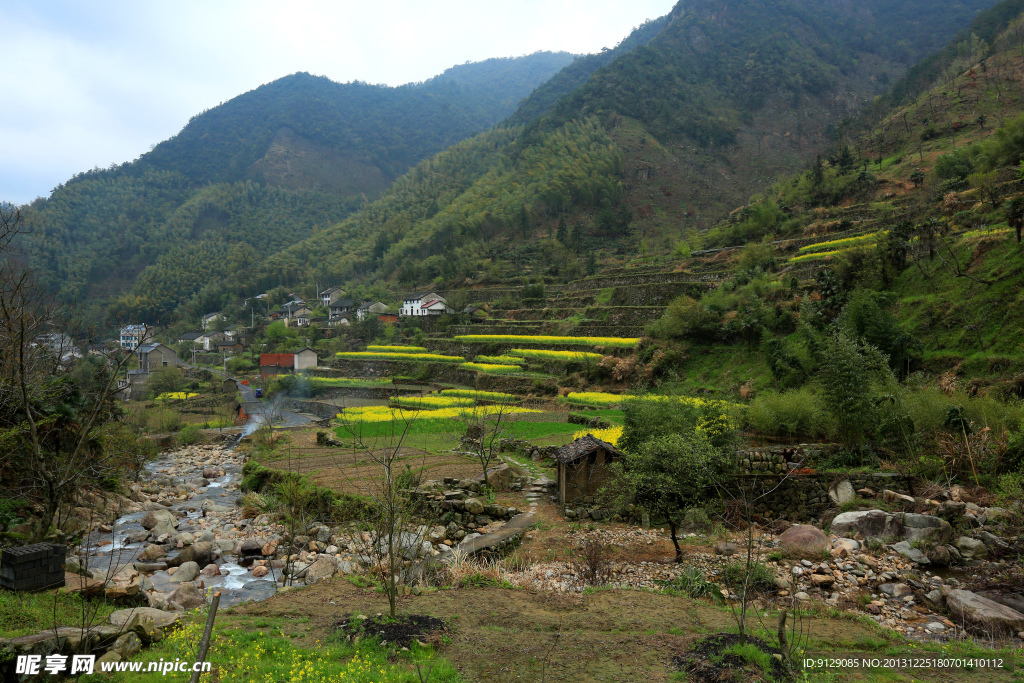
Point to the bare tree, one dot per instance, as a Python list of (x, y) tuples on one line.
[(483, 428), (51, 421), (386, 532)]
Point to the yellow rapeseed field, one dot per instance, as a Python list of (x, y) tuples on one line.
[(387, 355), (491, 369), (610, 435), (563, 356), (620, 342)]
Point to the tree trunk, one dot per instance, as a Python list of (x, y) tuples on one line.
[(675, 539), (49, 512)]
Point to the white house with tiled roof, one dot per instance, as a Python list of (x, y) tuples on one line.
[(424, 303)]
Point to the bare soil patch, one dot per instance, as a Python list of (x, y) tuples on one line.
[(402, 631)]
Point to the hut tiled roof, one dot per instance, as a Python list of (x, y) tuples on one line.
[(584, 446)]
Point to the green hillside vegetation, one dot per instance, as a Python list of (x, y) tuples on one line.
[(267, 169), (910, 315), (621, 163)]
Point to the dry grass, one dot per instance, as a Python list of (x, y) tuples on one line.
[(353, 471)]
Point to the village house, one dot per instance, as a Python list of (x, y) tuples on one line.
[(61, 346), (341, 308), (332, 294), (190, 337), (583, 467), (229, 347), (207, 320), (209, 340), (372, 308), (134, 335), (154, 356), (424, 303), (280, 363)]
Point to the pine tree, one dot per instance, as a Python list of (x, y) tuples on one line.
[(562, 233)]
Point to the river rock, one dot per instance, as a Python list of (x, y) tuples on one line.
[(188, 596), (1014, 601), (160, 618), (186, 572), (321, 570), (110, 657), (252, 546), (842, 493), (908, 551), (258, 572), (971, 548), (868, 523), (200, 553), (127, 646), (847, 544), (144, 626), (893, 497), (155, 517), (985, 613), (205, 537), (939, 556), (210, 506), (895, 590), (803, 541), (210, 570), (152, 552), (474, 506), (75, 583), (925, 527), (213, 472), (162, 530)]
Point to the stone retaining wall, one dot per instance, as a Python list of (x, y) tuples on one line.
[(795, 497)]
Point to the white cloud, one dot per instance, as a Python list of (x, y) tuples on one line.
[(89, 84)]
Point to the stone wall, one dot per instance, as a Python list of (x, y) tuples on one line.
[(802, 497)]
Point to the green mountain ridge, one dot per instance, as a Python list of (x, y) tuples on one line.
[(905, 239), (302, 149), (655, 143)]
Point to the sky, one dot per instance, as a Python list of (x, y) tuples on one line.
[(89, 84)]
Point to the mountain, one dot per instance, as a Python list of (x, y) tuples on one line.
[(907, 238), (264, 169), (629, 157)]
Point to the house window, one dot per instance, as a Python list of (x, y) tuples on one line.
[(165, 363)]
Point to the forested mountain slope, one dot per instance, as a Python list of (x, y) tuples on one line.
[(661, 140), (906, 237), (266, 168)]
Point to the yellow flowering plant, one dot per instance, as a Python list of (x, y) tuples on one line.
[(563, 356), (619, 342), (388, 355)]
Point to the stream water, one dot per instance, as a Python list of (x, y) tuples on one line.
[(112, 551)]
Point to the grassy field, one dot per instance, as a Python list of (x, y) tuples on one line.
[(297, 648), (23, 614), (503, 635)]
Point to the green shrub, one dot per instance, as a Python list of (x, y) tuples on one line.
[(189, 435), (929, 408), (761, 578), (956, 164), (788, 413), (168, 421), (692, 583)]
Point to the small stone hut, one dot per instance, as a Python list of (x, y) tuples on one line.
[(583, 467)]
